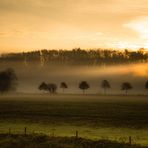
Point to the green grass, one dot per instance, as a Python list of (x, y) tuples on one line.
[(43, 141), (122, 113), (95, 117)]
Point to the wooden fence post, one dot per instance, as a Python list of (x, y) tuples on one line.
[(25, 130), (53, 132), (9, 131), (76, 134), (130, 140)]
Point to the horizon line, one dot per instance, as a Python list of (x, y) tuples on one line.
[(65, 49)]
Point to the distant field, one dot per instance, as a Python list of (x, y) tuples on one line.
[(113, 117)]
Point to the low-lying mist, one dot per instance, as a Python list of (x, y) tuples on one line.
[(31, 76)]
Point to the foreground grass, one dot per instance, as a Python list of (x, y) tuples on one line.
[(104, 111), (42, 141), (139, 136), (95, 117)]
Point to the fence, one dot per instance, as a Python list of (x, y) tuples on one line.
[(76, 135)]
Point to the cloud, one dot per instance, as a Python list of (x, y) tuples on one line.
[(140, 25), (87, 23)]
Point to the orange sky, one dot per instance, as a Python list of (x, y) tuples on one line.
[(37, 24)]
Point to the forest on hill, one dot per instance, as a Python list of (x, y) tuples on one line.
[(77, 56)]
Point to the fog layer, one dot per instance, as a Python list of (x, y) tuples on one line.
[(29, 77)]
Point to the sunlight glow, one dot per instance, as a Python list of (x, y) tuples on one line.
[(28, 25), (140, 25), (126, 45)]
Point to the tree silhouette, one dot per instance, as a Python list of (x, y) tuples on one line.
[(146, 85), (105, 85), (52, 88), (8, 81), (84, 86), (126, 86), (63, 85), (43, 86), (78, 56), (48, 87)]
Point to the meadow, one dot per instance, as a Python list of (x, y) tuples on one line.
[(113, 117), (44, 141)]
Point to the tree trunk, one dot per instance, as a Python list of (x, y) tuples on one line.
[(104, 91), (83, 91), (126, 91)]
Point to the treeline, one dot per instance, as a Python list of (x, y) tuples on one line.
[(84, 86), (78, 56), (8, 82)]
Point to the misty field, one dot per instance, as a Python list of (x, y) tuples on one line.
[(95, 117)]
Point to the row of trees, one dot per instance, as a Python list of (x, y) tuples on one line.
[(8, 82), (78, 56), (52, 88)]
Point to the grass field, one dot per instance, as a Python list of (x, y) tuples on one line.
[(95, 117), (44, 141)]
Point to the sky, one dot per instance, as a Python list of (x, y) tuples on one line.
[(53, 24)]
